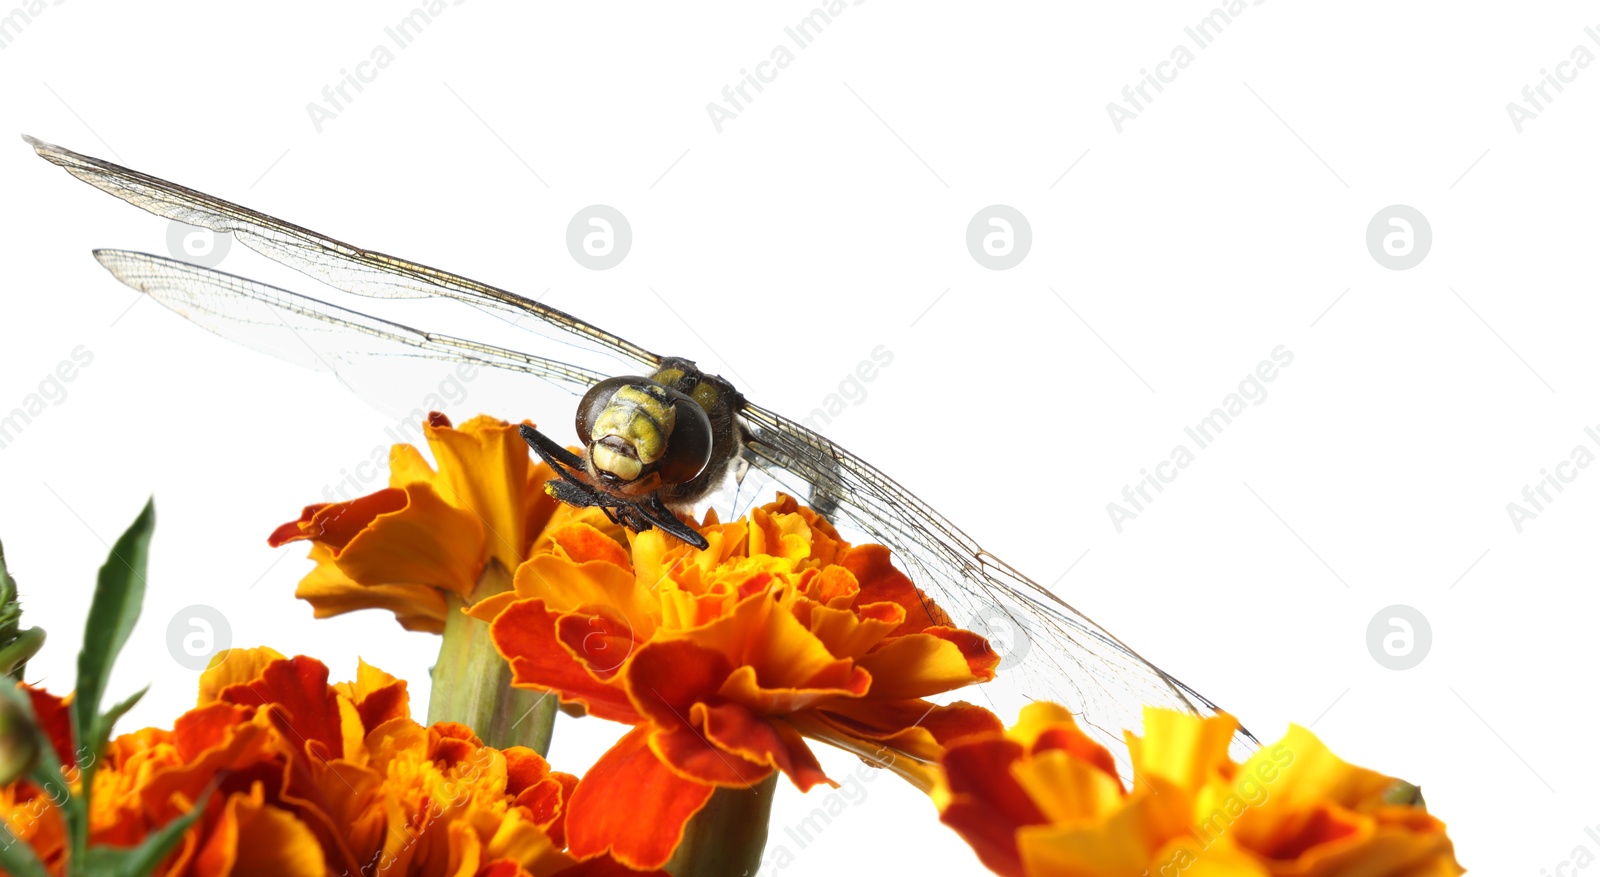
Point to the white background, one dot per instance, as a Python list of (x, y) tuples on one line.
[(1223, 221)]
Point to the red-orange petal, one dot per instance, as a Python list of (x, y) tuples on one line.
[(733, 728), (525, 634), (686, 752), (299, 686), (667, 677), (580, 543), (632, 805), (55, 719), (336, 523), (882, 582), (988, 804), (600, 637), (206, 726)]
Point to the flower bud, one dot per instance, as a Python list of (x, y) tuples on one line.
[(19, 742), (1405, 794)]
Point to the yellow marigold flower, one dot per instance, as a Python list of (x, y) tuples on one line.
[(1044, 800), (309, 779), (724, 659), (430, 533)]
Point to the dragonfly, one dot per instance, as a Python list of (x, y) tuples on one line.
[(1054, 652)]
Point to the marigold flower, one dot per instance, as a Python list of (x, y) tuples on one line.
[(430, 533), (308, 778), (724, 659), (1044, 799)]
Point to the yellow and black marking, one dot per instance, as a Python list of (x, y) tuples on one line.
[(655, 447), (633, 429), (692, 383), (721, 403)]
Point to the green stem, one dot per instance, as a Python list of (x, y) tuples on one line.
[(472, 683), (729, 835)]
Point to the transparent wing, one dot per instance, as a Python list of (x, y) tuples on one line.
[(1050, 650), (309, 332), (1054, 651), (352, 269)]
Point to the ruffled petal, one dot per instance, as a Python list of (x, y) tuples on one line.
[(644, 833), (525, 634), (429, 541), (935, 660), (231, 667), (255, 839), (330, 592), (483, 468)]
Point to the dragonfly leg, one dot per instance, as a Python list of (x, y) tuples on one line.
[(559, 458), (572, 489), (658, 513)]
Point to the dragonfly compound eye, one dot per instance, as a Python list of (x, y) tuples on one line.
[(631, 424), (689, 451)]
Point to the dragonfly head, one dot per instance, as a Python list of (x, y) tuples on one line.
[(635, 427)]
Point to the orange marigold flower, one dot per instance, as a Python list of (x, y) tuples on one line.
[(724, 659), (430, 533), (308, 779), (1044, 799)]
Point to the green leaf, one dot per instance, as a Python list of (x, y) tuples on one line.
[(19, 860), (109, 721), (16, 645), (8, 585), (142, 860), (118, 596)]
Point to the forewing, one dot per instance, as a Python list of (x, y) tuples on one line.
[(1050, 650), (352, 269), (310, 332)]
